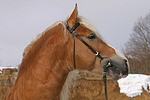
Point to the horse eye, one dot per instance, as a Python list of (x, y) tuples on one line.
[(91, 36)]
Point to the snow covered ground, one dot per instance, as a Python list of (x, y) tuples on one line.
[(132, 85), (1, 68)]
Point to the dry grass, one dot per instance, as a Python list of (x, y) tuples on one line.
[(88, 87)]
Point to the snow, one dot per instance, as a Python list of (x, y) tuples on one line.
[(1, 68), (132, 85)]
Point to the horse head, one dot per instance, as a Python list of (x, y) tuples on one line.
[(85, 59)]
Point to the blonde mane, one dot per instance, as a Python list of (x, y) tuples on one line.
[(91, 27)]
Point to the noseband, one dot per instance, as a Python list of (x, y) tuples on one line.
[(71, 30)]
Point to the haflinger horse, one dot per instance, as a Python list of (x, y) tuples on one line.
[(48, 60)]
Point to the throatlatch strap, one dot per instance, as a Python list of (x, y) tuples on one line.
[(74, 61), (71, 30)]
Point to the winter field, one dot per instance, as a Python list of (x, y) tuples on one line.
[(131, 85)]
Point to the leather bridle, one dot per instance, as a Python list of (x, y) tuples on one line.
[(72, 31)]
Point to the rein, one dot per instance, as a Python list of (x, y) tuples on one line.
[(71, 30)]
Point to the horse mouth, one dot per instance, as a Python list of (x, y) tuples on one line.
[(123, 76), (117, 75), (119, 67)]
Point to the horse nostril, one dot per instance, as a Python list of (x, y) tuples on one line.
[(126, 66), (126, 62)]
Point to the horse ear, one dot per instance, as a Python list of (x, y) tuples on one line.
[(73, 17)]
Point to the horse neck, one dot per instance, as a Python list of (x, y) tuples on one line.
[(43, 77)]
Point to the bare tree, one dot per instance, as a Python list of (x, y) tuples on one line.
[(138, 46)]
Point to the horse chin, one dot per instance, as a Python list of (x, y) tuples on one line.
[(115, 76)]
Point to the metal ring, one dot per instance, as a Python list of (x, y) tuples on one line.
[(96, 53)]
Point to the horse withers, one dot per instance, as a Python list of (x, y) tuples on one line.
[(48, 60)]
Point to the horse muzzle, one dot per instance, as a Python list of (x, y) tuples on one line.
[(116, 67)]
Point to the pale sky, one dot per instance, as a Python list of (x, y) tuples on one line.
[(22, 20)]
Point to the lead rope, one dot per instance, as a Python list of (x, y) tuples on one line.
[(105, 78), (105, 84)]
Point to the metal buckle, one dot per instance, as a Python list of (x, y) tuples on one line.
[(97, 53)]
